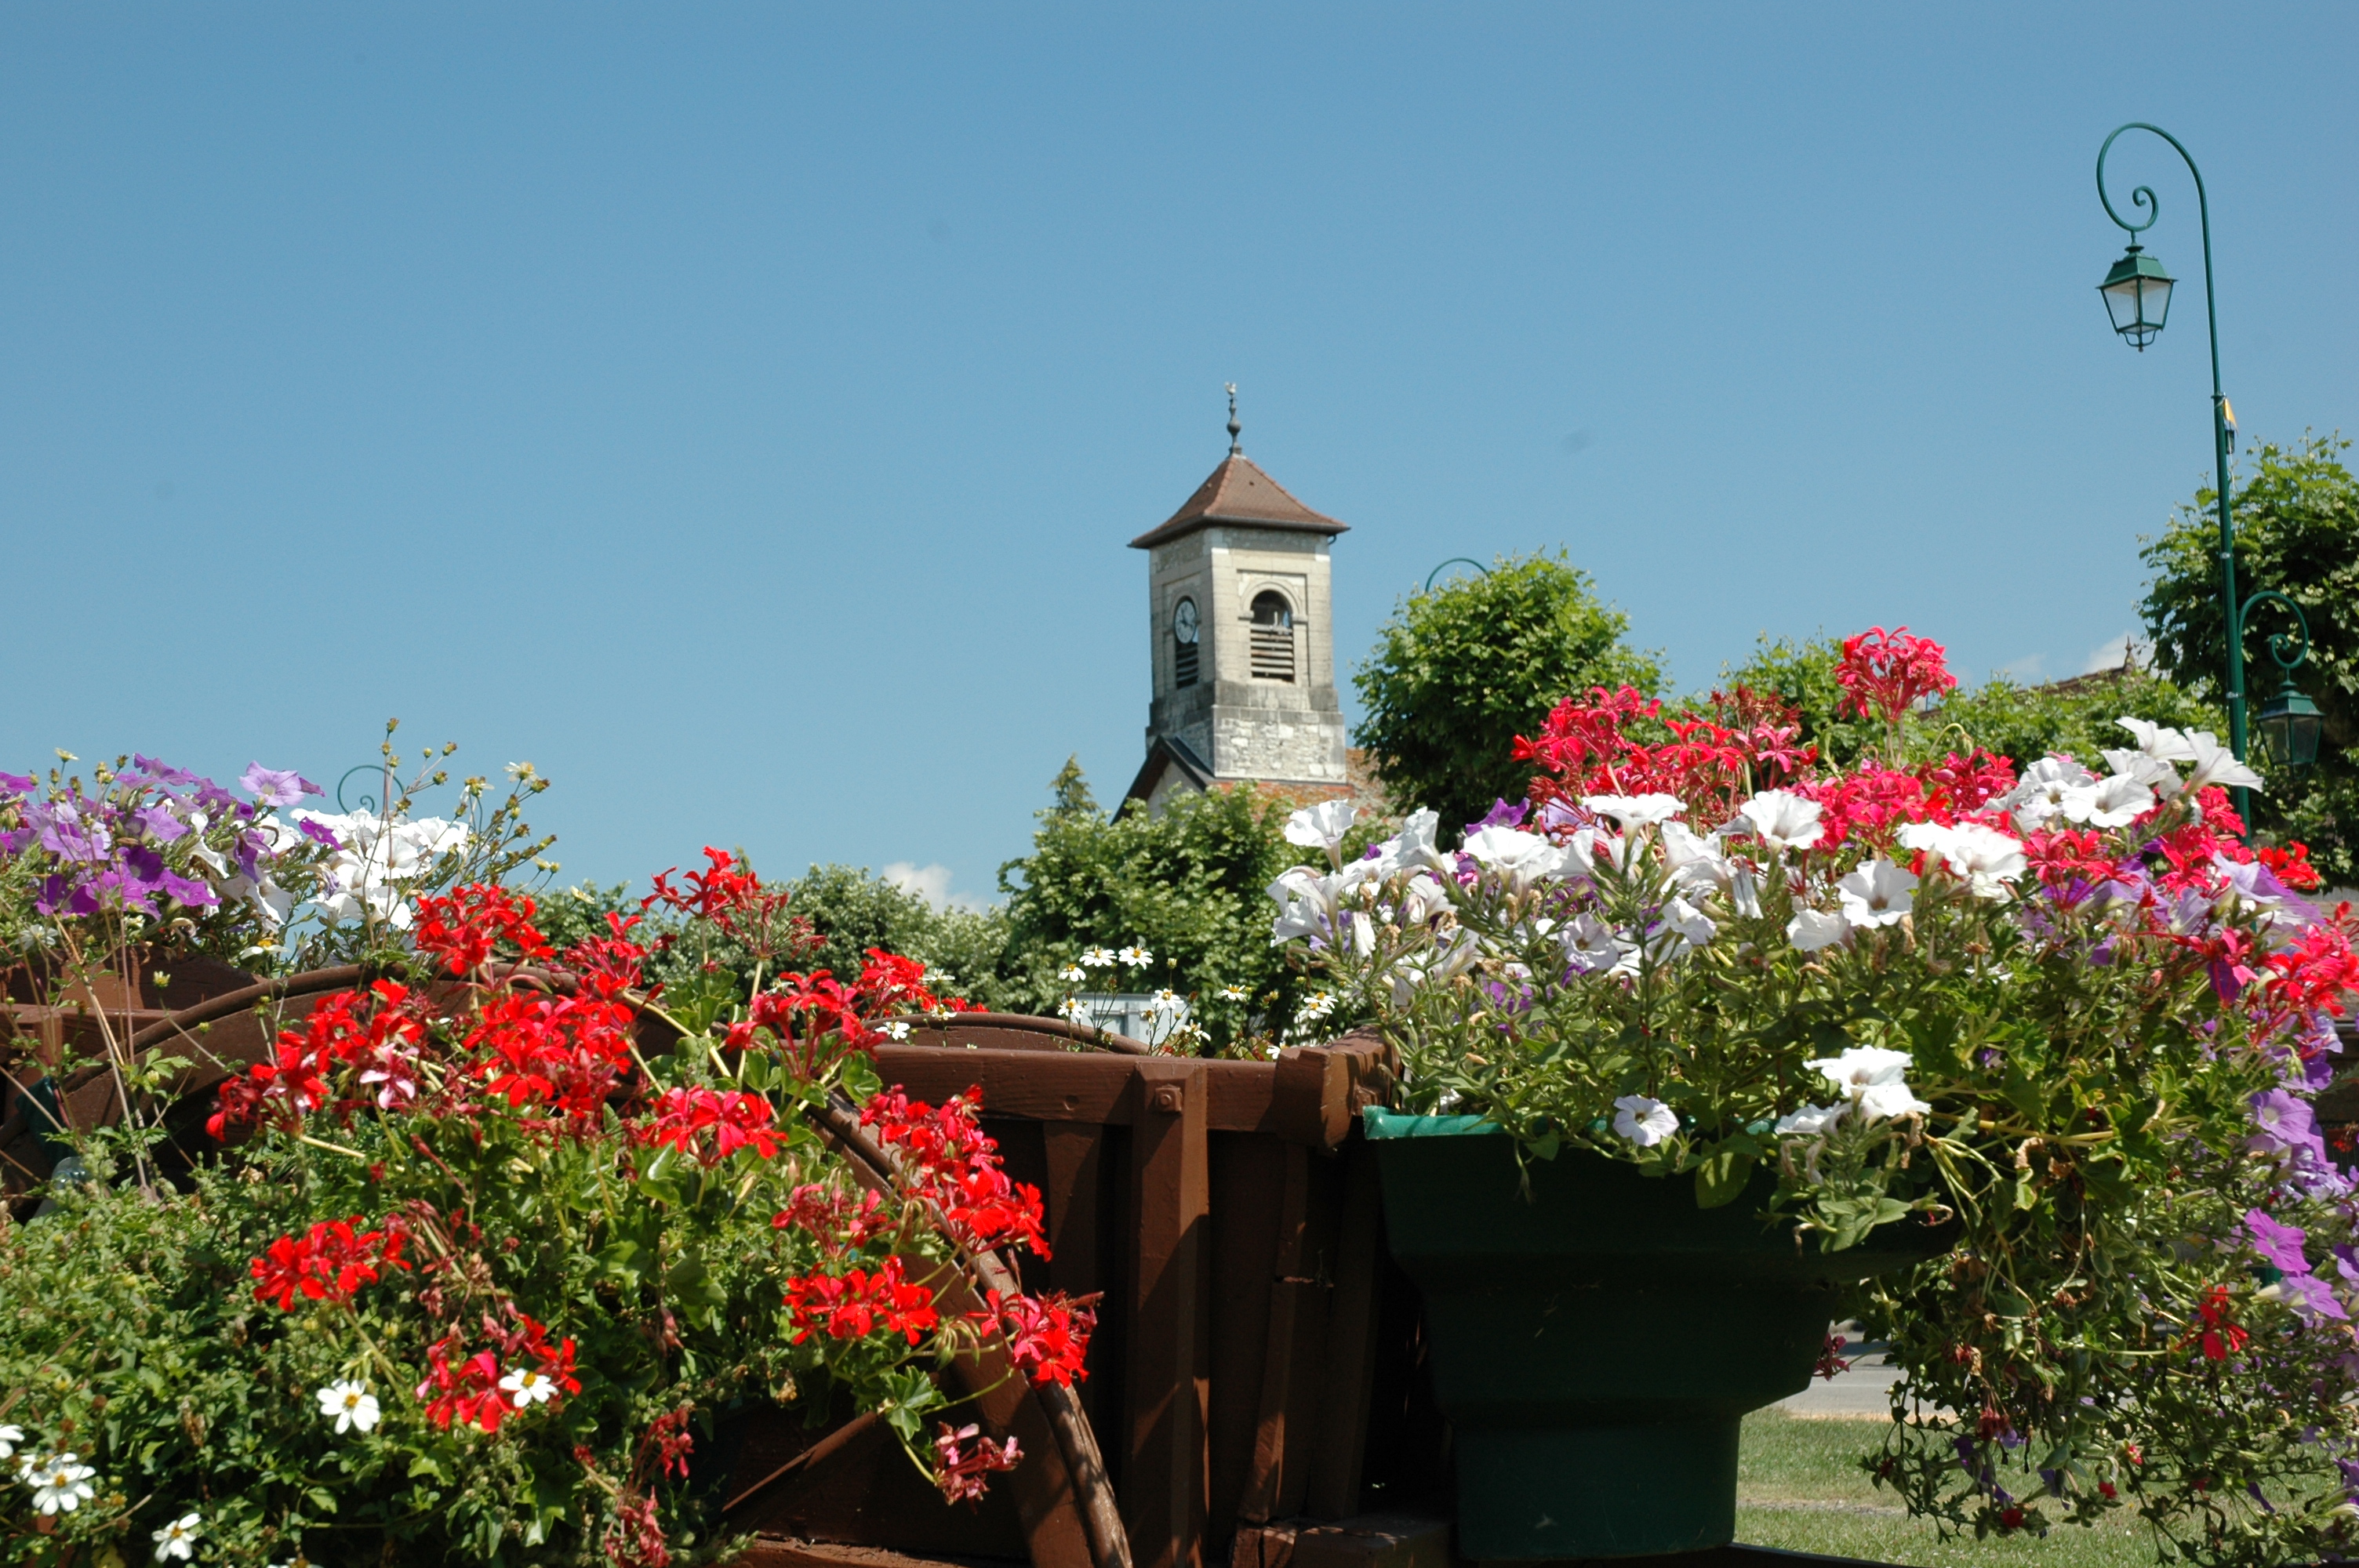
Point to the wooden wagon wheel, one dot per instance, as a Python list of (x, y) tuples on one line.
[(1062, 1495)]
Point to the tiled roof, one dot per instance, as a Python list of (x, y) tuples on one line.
[(1238, 491)]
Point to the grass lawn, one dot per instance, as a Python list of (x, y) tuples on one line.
[(1799, 1485)]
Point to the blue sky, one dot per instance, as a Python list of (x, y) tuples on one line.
[(740, 412)]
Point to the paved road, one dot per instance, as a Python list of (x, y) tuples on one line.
[(1860, 1393)]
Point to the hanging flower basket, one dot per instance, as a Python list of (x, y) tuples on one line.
[(1597, 1339)]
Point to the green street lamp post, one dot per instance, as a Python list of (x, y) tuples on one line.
[(2137, 297)]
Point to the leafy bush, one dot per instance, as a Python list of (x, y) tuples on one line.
[(1461, 670), (842, 910), (2021, 723), (2297, 521), (1187, 886)]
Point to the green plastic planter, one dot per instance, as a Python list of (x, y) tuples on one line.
[(1596, 1343)]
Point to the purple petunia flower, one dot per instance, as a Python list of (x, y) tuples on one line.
[(191, 892), (2310, 1298), (2280, 1244), (15, 784), (271, 787), (2284, 1123), (162, 823), (318, 833), (1501, 815)]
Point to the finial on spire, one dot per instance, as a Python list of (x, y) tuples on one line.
[(1235, 430)]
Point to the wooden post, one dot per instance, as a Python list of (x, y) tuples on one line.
[(1163, 1478)]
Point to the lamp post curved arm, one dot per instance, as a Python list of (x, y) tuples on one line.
[(2143, 199), (1453, 561), (2278, 640)]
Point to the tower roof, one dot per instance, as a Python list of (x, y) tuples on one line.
[(1238, 491)]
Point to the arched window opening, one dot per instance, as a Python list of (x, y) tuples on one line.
[(1186, 638), (1273, 637)]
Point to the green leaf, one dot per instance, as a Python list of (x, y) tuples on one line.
[(1721, 1174)]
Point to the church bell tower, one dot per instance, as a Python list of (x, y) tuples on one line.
[(1239, 618)]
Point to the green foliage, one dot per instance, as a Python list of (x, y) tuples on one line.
[(1461, 669), (2079, 716), (2023, 723), (2296, 522), (1189, 885), (852, 911)]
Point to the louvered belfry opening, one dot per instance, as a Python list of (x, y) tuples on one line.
[(1273, 637), (1183, 664)]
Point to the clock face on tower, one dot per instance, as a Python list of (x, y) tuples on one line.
[(1183, 623)]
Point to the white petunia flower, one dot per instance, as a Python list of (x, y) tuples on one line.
[(350, 1403), (2041, 795), (1871, 1076), (1878, 1102), (527, 1387), (379, 861), (1323, 825), (1812, 929), (1697, 866), (1985, 858), (2216, 764), (1644, 1121), (1782, 819), (2162, 744), (177, 1539), (1685, 924), (1635, 811), (1589, 944), (59, 1484), (1522, 858), (1810, 1121), (1412, 849), (1877, 893), (2115, 802), (1862, 1066)]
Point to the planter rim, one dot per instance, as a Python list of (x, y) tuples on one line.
[(1379, 1123)]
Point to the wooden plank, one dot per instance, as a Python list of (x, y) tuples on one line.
[(1308, 1096), (1248, 1196), (1076, 1162), (1163, 1481), (1336, 1463), (1266, 1469), (770, 1551), (1045, 1087)]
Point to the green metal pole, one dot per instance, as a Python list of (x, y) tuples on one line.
[(2229, 608)]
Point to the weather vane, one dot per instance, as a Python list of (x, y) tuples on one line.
[(1235, 430)]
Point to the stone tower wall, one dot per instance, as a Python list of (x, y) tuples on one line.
[(1244, 728)]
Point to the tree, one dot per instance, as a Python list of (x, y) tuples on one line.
[(1461, 670), (2297, 522), (1189, 885)]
